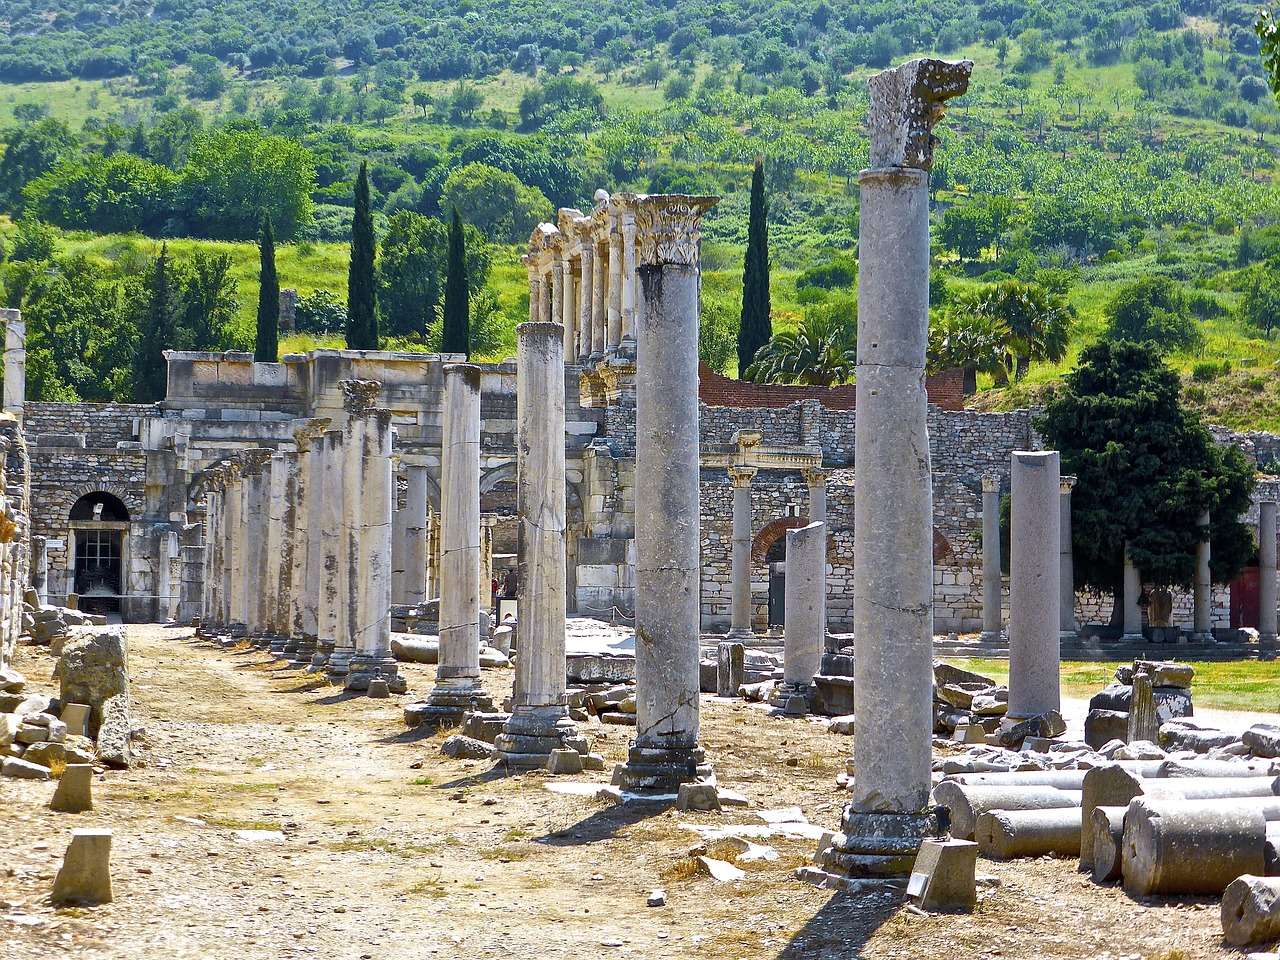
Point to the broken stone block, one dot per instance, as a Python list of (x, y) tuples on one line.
[(1182, 736), (564, 762), (465, 748), (698, 796), (592, 761), (1102, 726), (85, 875), (75, 790), (1048, 724), (945, 673), (1263, 740), (93, 670), (30, 734), (378, 689), (115, 732), (11, 681), (842, 725), (943, 879), (415, 648), (22, 770), (10, 724), (986, 705), (48, 754), (720, 870)]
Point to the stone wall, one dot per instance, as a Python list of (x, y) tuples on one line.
[(15, 536)]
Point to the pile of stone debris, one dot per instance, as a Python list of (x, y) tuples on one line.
[(46, 625), (971, 708), (89, 721), (1109, 710)]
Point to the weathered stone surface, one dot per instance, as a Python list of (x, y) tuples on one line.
[(415, 648), (1103, 726), (945, 871), (465, 748), (93, 670), (697, 796), (1006, 834), (906, 104), (22, 770), (1034, 584), (945, 673), (1181, 736), (966, 803), (51, 755), (1251, 910), (85, 875), (1049, 724), (564, 762), (1263, 740), (115, 732), (11, 681), (75, 790), (1191, 846)]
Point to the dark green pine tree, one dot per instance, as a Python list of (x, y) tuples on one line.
[(362, 309), (266, 345), (456, 335), (755, 329), (155, 334)]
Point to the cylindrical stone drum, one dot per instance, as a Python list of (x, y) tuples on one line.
[(1006, 834), (1191, 846)]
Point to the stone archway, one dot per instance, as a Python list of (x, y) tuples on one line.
[(771, 533)]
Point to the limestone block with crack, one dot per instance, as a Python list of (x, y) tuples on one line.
[(93, 670), (115, 732)]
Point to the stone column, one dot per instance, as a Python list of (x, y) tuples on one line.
[(1066, 564), (256, 522), (666, 751), (599, 306), (369, 485), (628, 346), (740, 612), (272, 560), (535, 289), (15, 362), (414, 519), (210, 572), (805, 630), (40, 568), (458, 687), (883, 826), (307, 557), (1202, 591), (557, 289), (1132, 591), (570, 311), (539, 721), (585, 286), (614, 335), (1267, 575), (1035, 585), (165, 582), (992, 579), (816, 478), (293, 555), (398, 535), (333, 586)]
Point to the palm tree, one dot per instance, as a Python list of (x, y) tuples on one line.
[(1039, 322), (821, 351), (968, 341)]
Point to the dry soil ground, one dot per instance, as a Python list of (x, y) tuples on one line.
[(391, 851)]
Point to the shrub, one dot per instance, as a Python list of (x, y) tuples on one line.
[(1195, 393), (1202, 371), (829, 276)]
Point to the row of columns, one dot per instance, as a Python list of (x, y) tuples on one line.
[(582, 275)]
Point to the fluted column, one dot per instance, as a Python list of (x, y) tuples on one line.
[(740, 581), (599, 304), (1202, 595), (628, 345), (585, 287), (333, 587), (613, 336)]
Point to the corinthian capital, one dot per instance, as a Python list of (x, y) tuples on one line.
[(669, 228), (906, 104), (358, 396)]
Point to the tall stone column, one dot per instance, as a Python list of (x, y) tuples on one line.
[(535, 288), (256, 523), (333, 587), (614, 335), (433, 554), (308, 440), (585, 312), (569, 314), (666, 751), (369, 485), (992, 579), (1267, 576), (1132, 592), (1202, 591), (740, 579), (805, 631), (40, 568), (414, 519), (817, 482), (273, 557), (627, 348), (883, 826), (1066, 563), (539, 721), (292, 549), (399, 535), (212, 580), (458, 686), (1035, 584), (557, 289), (599, 304), (15, 362), (544, 294)]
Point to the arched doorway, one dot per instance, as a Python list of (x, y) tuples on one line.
[(99, 522)]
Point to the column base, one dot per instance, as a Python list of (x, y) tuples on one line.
[(306, 651), (990, 636), (339, 663), (740, 634), (320, 659), (1203, 637), (364, 668), (878, 844), (1133, 638), (626, 350), (1069, 635), (793, 699), (449, 699), (660, 769), (531, 733), (1267, 647)]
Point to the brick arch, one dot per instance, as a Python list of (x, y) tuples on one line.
[(771, 533), (941, 547), (135, 504)]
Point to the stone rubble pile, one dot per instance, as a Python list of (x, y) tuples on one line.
[(46, 625), (39, 735), (1109, 710)]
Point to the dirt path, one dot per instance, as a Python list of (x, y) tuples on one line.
[(391, 851)]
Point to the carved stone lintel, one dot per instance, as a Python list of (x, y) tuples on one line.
[(906, 104), (308, 433), (669, 229), (358, 396), (741, 476)]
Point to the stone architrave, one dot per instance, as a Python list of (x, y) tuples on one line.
[(805, 630), (458, 685), (333, 591), (666, 751), (1202, 590), (415, 525), (1267, 576), (1132, 593), (1035, 584), (369, 485), (539, 721), (889, 816), (1066, 564), (992, 579), (15, 362), (740, 577)]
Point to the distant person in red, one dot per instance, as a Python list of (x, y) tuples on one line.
[(493, 593)]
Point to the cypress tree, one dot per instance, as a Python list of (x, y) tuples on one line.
[(155, 334), (266, 345), (362, 310), (457, 324), (755, 328)]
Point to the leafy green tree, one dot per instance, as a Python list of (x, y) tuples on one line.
[(266, 344), (496, 202), (117, 194), (1260, 303), (412, 264), (968, 341), (966, 229), (821, 351), (457, 334), (235, 175), (1147, 468), (155, 333), (207, 302), (320, 312), (362, 307), (1038, 322), (755, 327), (30, 152), (1153, 310)]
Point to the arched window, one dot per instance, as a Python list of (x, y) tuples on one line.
[(101, 507)]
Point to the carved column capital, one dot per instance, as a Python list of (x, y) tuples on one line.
[(308, 433), (669, 229), (358, 396), (906, 104), (815, 476), (741, 476), (1067, 484)]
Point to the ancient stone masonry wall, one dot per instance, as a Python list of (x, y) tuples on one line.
[(777, 426), (15, 536), (102, 424)]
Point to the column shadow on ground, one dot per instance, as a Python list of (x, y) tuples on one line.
[(604, 823), (843, 926)]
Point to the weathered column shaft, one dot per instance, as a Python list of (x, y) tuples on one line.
[(613, 336), (15, 362), (1035, 584), (1202, 592), (460, 525), (1132, 591), (599, 306), (585, 312), (628, 284), (806, 594), (1267, 570), (313, 562), (992, 584), (256, 520), (414, 519), (1066, 562), (817, 481), (740, 579), (557, 289), (332, 554)]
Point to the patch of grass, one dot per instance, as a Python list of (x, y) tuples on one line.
[(420, 782), (431, 886), (503, 852), (254, 787), (686, 868)]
